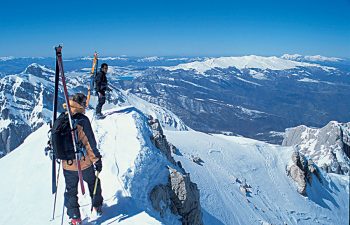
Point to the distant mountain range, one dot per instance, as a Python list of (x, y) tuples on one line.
[(253, 96)]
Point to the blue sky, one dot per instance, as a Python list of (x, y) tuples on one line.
[(175, 28)]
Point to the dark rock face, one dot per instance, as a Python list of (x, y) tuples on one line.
[(159, 139), (328, 146), (301, 171), (181, 196), (185, 196), (236, 101)]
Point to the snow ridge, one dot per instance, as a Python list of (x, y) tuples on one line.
[(313, 58), (252, 61)]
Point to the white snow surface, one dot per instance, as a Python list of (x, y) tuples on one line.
[(4, 123), (308, 80), (229, 161), (150, 59), (44, 69), (6, 58), (132, 166), (314, 58), (105, 58), (258, 75), (252, 61)]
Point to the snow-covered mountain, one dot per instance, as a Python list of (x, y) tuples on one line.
[(255, 96), (252, 61), (240, 180), (313, 58), (157, 170), (258, 102), (25, 100), (329, 146), (26, 103)]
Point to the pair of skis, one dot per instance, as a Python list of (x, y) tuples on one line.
[(59, 70), (92, 77)]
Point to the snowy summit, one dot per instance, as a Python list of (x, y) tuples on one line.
[(242, 62), (313, 58)]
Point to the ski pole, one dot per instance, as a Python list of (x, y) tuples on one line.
[(62, 212), (54, 203), (95, 188)]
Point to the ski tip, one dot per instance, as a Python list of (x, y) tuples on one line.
[(58, 47)]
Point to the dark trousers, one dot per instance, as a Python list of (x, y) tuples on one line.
[(101, 102), (70, 196)]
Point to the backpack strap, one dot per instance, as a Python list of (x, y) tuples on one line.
[(80, 147)]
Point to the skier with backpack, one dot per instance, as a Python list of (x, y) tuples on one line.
[(89, 156), (101, 86)]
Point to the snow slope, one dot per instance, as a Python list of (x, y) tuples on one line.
[(132, 166), (229, 162)]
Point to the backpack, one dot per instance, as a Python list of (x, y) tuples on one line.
[(61, 138)]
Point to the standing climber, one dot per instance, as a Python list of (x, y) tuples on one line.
[(101, 86), (90, 162)]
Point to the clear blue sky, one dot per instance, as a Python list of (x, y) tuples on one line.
[(175, 28)]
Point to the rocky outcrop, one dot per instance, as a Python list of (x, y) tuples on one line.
[(302, 171), (23, 101), (197, 159), (328, 147), (180, 196), (160, 141)]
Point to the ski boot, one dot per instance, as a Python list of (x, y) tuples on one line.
[(100, 116), (75, 222), (98, 210)]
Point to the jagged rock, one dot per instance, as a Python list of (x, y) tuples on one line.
[(298, 176), (301, 171), (160, 198), (245, 188), (329, 145), (185, 196), (312, 170), (155, 125), (159, 139), (173, 149), (197, 160), (181, 196)]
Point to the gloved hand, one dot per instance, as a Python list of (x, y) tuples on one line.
[(98, 165)]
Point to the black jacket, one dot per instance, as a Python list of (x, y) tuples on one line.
[(101, 82)]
